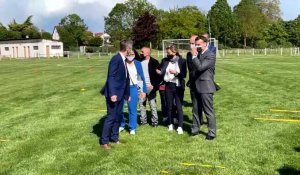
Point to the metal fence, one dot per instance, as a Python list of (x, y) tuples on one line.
[(262, 52), (158, 54)]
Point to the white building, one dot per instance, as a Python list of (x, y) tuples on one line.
[(31, 48), (105, 37)]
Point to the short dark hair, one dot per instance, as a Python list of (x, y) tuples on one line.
[(173, 48), (124, 44), (204, 39), (202, 34)]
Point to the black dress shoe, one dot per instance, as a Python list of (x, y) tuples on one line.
[(209, 137)]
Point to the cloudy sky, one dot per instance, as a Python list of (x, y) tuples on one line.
[(47, 13)]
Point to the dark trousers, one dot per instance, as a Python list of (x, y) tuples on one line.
[(197, 111), (112, 121), (163, 102), (206, 102), (172, 94)]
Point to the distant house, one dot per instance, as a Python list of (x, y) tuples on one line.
[(55, 34), (105, 36), (31, 48)]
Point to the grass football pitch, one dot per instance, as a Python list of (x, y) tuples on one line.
[(51, 114)]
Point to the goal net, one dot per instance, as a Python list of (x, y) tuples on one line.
[(183, 45)]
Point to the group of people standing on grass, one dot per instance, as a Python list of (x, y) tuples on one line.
[(135, 78)]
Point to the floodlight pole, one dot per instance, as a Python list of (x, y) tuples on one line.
[(208, 26)]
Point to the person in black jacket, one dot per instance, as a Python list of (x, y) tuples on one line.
[(173, 71), (149, 66), (181, 89), (162, 90)]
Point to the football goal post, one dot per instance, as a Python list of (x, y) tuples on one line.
[(183, 45)]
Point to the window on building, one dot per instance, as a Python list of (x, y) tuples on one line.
[(35, 47), (6, 48), (55, 47)]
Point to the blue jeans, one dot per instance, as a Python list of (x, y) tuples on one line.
[(132, 109)]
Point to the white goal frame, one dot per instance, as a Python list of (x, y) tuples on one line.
[(184, 42)]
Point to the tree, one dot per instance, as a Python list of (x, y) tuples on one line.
[(293, 29), (86, 37), (46, 35), (122, 17), (95, 41), (31, 32), (250, 19), (68, 40), (181, 23), (223, 23), (3, 32), (270, 8), (275, 35), (145, 29), (26, 29), (73, 26)]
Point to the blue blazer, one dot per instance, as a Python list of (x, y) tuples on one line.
[(212, 48), (116, 83), (140, 72)]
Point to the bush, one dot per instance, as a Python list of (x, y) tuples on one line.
[(261, 44)]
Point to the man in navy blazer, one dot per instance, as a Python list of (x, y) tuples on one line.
[(115, 90)]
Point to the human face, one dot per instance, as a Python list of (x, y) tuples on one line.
[(192, 41), (129, 51), (170, 54), (145, 52), (200, 43)]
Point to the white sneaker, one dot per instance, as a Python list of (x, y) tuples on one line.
[(179, 130), (132, 132), (121, 129), (171, 128)]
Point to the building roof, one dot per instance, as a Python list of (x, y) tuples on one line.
[(22, 41), (102, 34)]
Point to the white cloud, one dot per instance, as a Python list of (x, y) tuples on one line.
[(53, 6), (87, 1)]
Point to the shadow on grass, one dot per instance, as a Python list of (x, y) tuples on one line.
[(297, 149), (187, 122), (97, 128), (288, 170)]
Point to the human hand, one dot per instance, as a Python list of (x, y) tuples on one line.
[(142, 95), (113, 98), (150, 88), (158, 71), (172, 71), (194, 51)]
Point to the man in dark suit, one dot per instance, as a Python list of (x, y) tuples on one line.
[(197, 108), (115, 90), (204, 63)]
